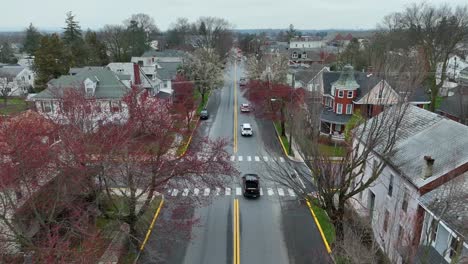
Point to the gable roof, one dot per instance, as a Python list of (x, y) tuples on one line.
[(456, 105), (423, 133), (10, 70), (108, 85), (306, 74), (168, 70), (449, 202)]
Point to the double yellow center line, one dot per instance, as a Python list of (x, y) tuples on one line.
[(236, 232), (235, 107)]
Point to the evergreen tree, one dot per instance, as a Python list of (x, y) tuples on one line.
[(6, 53), (137, 38), (73, 40), (51, 61), (97, 52), (32, 40)]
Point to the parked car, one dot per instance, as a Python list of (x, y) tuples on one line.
[(204, 114), (246, 129), (251, 185), (245, 108), (242, 82)]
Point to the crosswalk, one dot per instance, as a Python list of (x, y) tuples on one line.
[(240, 158), (228, 191)]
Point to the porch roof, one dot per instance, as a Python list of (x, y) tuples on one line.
[(329, 116)]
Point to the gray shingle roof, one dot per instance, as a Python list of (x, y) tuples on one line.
[(423, 133), (330, 116), (454, 105), (366, 82), (108, 86), (9, 70), (312, 54), (450, 202), (168, 70), (305, 75)]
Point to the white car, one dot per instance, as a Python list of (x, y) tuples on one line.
[(246, 129)]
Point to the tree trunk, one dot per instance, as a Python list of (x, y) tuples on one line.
[(283, 129), (203, 98)]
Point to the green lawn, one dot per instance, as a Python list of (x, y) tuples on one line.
[(283, 139), (324, 220), (332, 151), (13, 106)]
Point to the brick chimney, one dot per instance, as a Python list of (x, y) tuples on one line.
[(136, 72), (428, 168)]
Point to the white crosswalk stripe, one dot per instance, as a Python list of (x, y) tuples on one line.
[(280, 192), (238, 191), (218, 190), (175, 192), (265, 158), (291, 192), (185, 192), (270, 191), (240, 158), (281, 159), (206, 192), (249, 158), (261, 192), (196, 191), (228, 191), (257, 158), (233, 158)]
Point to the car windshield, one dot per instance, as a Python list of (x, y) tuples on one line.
[(251, 184), (246, 128)]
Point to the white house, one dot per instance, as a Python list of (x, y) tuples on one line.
[(445, 231), (455, 64), (429, 151), (16, 79), (102, 85), (132, 74), (310, 42)]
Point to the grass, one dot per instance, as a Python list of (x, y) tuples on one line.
[(322, 217), (202, 104), (284, 139), (332, 151), (14, 105)]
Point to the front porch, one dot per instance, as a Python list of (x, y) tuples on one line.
[(333, 125)]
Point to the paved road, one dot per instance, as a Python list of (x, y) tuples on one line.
[(276, 228)]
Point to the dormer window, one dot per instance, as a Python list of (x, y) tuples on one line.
[(90, 87), (340, 94)]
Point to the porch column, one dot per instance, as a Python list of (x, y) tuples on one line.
[(331, 128)]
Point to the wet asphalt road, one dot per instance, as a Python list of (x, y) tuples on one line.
[(276, 228)]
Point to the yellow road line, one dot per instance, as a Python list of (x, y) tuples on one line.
[(235, 108), (236, 236), (150, 229), (319, 227)]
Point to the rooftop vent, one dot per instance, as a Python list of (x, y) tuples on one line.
[(428, 169)]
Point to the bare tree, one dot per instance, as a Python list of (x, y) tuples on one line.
[(115, 38), (268, 68), (215, 33), (433, 32), (143, 21), (7, 87)]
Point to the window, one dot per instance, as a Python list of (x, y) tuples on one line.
[(29, 77), (349, 109), (401, 231), (340, 94), (404, 204), (455, 246), (390, 186), (350, 94), (140, 63), (46, 107), (294, 55), (89, 91), (304, 55), (385, 222), (339, 108), (114, 106)]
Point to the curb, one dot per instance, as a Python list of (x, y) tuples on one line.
[(325, 242), (281, 141)]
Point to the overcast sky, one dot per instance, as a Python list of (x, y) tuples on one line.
[(243, 14)]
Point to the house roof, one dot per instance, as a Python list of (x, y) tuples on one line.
[(365, 81), (108, 84), (328, 115), (423, 133), (164, 53), (463, 77), (449, 202), (10, 70), (76, 70), (419, 95), (306, 74), (456, 105), (168, 70)]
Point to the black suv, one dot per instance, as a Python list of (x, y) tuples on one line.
[(251, 185), (204, 114)]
